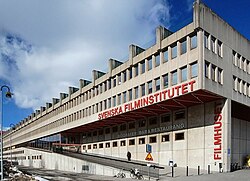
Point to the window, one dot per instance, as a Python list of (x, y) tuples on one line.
[(179, 136), (89, 147), (124, 76), (143, 91), (124, 97), (143, 68), (165, 81), (119, 77), (165, 138), (206, 37), (194, 70), (183, 74), (109, 102), (109, 84), (174, 51), (142, 123), (239, 85), (136, 70), (219, 48), (174, 77), (157, 84), (183, 46), (179, 115), (220, 76), (213, 72), (94, 146), (131, 125), (165, 118), (150, 63), (105, 86), (130, 95), (100, 145), (165, 54), (157, 60), (235, 83), (114, 101), (107, 145), (100, 132), (115, 144), (95, 133), (131, 142), (130, 73), (136, 92), (123, 127), (105, 104), (152, 139), (153, 121), (115, 129), (123, 143), (114, 81), (100, 87), (141, 141), (213, 44), (119, 99), (207, 65), (193, 42), (107, 131), (234, 58), (150, 88)]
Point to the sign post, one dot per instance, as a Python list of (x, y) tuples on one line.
[(149, 157)]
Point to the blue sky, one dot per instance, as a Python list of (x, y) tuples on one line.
[(57, 44)]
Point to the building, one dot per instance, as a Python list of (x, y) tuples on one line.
[(187, 96)]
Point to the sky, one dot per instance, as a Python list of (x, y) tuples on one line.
[(49, 45)]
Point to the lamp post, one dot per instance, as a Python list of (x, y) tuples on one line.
[(8, 94), (12, 127)]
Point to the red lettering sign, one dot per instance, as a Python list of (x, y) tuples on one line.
[(217, 131)]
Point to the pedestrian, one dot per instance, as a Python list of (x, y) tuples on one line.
[(129, 155)]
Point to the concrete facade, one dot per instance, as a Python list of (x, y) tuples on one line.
[(182, 96)]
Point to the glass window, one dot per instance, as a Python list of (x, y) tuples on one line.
[(105, 86), (142, 123), (213, 44), (153, 121), (206, 36), (109, 102), (141, 141), (115, 144), (105, 104), (219, 47), (152, 139), (115, 129), (157, 84), (114, 101), (143, 92), (119, 79), (131, 125), (150, 63), (165, 138), (183, 74), (174, 51), (108, 145), (207, 64), (100, 145), (165, 118), (131, 142), (107, 131), (193, 42), (179, 136), (136, 92), (174, 77), (130, 73), (143, 67), (183, 46), (165, 80), (213, 72), (179, 115), (119, 99), (100, 87), (157, 60), (150, 88), (124, 97), (130, 95), (124, 76), (165, 56), (123, 127), (123, 143), (220, 73), (136, 70), (114, 81), (194, 70), (109, 84)]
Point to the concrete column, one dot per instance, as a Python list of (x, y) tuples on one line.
[(227, 126)]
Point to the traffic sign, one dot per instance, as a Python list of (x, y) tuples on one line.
[(149, 157), (148, 148)]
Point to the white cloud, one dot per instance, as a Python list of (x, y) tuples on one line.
[(70, 38)]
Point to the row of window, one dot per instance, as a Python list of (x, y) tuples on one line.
[(213, 72), (240, 62), (213, 44), (131, 142), (177, 48), (241, 86)]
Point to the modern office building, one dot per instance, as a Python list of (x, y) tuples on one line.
[(187, 96)]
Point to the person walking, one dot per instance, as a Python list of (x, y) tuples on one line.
[(129, 156)]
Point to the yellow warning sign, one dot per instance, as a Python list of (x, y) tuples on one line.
[(149, 157)]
